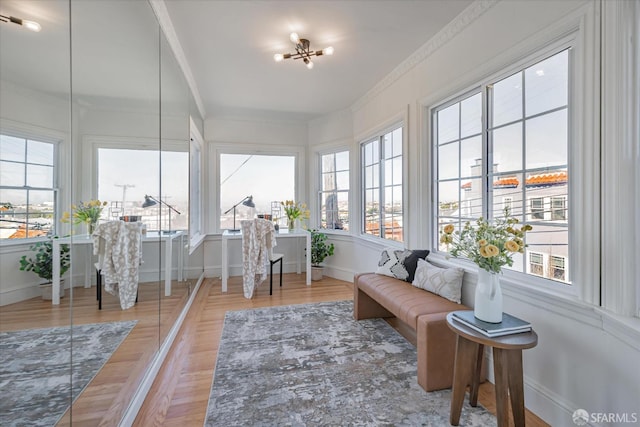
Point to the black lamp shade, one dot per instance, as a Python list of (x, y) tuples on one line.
[(148, 202), (249, 202)]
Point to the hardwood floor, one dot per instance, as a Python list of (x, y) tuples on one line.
[(107, 396), (180, 393)]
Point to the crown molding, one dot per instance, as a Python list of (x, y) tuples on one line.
[(160, 9), (453, 28)]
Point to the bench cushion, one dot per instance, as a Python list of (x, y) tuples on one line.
[(402, 299)]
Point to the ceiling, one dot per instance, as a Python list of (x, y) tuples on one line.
[(229, 46)]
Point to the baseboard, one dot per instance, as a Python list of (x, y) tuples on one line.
[(339, 273), (552, 408), (143, 389)]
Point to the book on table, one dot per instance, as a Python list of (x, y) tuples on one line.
[(509, 325)]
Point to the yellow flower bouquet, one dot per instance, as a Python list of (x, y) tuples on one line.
[(490, 246), (86, 212), (295, 210)]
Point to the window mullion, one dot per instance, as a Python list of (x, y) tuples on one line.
[(381, 185), (487, 150)]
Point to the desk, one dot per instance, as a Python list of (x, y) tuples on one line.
[(507, 367), (85, 239), (282, 234)]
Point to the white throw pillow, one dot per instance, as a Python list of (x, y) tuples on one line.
[(392, 263), (446, 282)]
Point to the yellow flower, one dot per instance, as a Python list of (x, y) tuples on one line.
[(483, 252), (482, 242), (449, 228), (512, 246), (492, 250)]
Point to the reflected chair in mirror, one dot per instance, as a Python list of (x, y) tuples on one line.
[(258, 241), (118, 245)]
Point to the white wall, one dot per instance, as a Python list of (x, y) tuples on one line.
[(586, 358)]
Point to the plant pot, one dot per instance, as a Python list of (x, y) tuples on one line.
[(316, 273), (47, 290)]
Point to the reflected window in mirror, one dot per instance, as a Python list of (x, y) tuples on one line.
[(126, 176), (28, 190), (196, 228)]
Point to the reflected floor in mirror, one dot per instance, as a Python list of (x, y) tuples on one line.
[(106, 397)]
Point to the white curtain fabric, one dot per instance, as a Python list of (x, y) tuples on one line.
[(118, 245), (258, 240)]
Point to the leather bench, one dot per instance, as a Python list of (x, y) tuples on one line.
[(423, 312)]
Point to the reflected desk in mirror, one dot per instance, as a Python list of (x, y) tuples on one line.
[(149, 237)]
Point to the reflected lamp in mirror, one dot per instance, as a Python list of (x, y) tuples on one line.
[(247, 201), (152, 201)]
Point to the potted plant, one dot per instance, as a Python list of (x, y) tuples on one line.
[(41, 263), (319, 251)]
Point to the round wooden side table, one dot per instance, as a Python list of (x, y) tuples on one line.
[(507, 367)]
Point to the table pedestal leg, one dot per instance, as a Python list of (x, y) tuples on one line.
[(500, 371), (516, 387), (463, 369)]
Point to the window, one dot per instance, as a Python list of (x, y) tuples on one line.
[(382, 186), (536, 264), (126, 176), (28, 190), (515, 156), (558, 208), (270, 179), (334, 193), (537, 208), (556, 266)]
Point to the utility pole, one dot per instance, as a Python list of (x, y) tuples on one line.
[(124, 191)]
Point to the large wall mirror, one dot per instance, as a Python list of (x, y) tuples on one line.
[(93, 107)]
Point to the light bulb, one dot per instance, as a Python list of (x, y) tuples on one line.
[(327, 50), (278, 57), (31, 25), (294, 38), (310, 65)]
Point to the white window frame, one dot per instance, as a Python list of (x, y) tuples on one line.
[(541, 264), (320, 174), (216, 149), (196, 201), (379, 136), (536, 212), (579, 159), (40, 134), (562, 209)]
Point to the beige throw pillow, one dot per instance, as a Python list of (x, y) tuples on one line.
[(446, 282)]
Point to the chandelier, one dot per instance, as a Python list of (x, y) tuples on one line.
[(303, 51)]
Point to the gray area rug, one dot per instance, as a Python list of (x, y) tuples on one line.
[(313, 365), (34, 374)]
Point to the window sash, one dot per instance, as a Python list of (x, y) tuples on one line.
[(26, 159), (382, 183), (455, 198)]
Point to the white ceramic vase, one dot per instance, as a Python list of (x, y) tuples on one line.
[(488, 303)]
